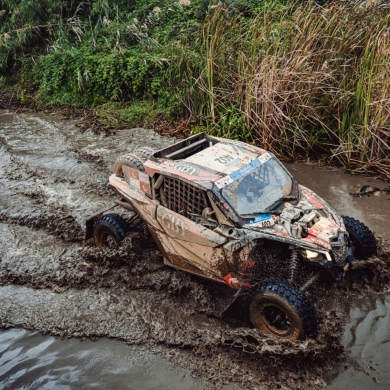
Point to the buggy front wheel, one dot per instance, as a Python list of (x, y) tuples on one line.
[(279, 308), (363, 240)]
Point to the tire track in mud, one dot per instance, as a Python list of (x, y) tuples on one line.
[(52, 176), (158, 321), (49, 190), (53, 203)]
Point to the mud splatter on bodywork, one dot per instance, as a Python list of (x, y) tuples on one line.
[(192, 176)]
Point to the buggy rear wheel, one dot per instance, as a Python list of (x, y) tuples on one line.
[(363, 240), (144, 153), (129, 160), (279, 308), (109, 231)]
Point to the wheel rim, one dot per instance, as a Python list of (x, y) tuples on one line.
[(108, 241), (276, 320)]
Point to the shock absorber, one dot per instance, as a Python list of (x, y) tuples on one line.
[(294, 262)]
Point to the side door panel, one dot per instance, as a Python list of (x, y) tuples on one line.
[(188, 242), (179, 227)]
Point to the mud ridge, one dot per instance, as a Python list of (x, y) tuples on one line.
[(179, 300), (170, 319), (62, 226), (100, 268)]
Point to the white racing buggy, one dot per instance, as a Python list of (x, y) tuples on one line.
[(231, 212)]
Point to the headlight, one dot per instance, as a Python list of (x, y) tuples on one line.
[(316, 256), (313, 256)]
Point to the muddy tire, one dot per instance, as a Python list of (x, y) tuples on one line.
[(363, 240), (144, 153), (109, 230), (279, 308), (129, 160)]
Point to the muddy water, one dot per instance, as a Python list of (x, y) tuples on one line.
[(31, 360), (52, 177)]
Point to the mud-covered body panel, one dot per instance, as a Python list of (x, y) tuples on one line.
[(215, 240), (181, 228)]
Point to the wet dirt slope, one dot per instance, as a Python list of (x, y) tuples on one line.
[(52, 177)]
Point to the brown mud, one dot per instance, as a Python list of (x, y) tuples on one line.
[(53, 177)]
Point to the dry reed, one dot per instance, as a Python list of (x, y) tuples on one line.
[(314, 80)]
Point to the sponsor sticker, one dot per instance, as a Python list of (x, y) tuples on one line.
[(262, 220), (223, 182), (245, 170), (264, 157)]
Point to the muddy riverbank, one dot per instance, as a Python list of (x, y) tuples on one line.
[(52, 177)]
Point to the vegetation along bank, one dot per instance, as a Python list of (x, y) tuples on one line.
[(298, 78)]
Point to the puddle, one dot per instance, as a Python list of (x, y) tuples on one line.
[(31, 360), (367, 337)]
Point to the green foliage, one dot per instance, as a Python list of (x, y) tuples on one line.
[(231, 124), (294, 77), (90, 77), (251, 8), (131, 114)]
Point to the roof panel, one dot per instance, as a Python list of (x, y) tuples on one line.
[(222, 157)]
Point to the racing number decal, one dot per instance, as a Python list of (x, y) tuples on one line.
[(174, 224), (224, 159), (264, 224)]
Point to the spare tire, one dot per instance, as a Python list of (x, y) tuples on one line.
[(130, 160), (363, 240), (279, 308)]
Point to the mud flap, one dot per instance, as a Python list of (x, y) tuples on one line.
[(237, 295), (89, 222), (237, 309)]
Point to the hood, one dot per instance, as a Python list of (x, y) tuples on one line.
[(311, 220)]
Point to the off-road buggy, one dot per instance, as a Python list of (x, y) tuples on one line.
[(231, 212)]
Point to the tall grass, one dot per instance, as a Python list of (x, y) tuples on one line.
[(303, 80), (297, 79)]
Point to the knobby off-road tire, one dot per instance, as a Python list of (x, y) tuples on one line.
[(144, 153), (363, 240), (279, 308), (130, 160), (109, 230)]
